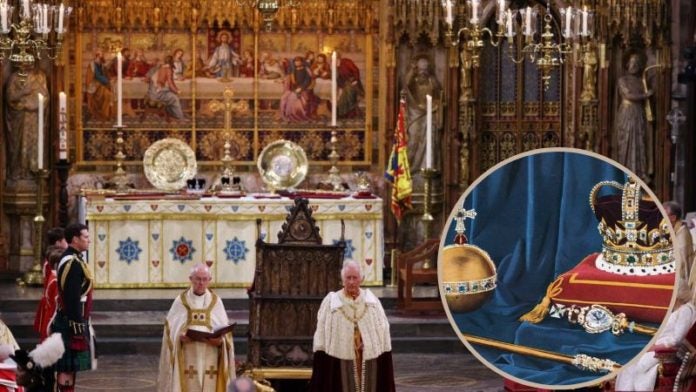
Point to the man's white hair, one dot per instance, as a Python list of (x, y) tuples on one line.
[(200, 267), (351, 264)]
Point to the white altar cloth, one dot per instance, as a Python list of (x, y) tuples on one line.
[(154, 243)]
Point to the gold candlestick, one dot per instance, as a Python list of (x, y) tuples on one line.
[(34, 277), (334, 176), (427, 217), (120, 179)]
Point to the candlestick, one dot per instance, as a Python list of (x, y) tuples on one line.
[(119, 90), (334, 172), (61, 12), (334, 89), (34, 276), (427, 217), (39, 158), (428, 132), (120, 177), (62, 126)]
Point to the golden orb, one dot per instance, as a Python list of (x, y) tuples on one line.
[(467, 276)]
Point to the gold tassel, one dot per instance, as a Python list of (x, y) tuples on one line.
[(540, 311)]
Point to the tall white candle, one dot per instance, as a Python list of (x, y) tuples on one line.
[(474, 11), (568, 22), (508, 22), (501, 12), (3, 17), (334, 89), (40, 131), (25, 9), (62, 126), (584, 21), (528, 22), (119, 90), (449, 19), (61, 14), (428, 132), (45, 19)]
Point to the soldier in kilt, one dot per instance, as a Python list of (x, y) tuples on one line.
[(74, 306)]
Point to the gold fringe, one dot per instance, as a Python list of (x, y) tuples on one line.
[(540, 311)]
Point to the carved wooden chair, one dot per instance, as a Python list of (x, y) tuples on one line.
[(291, 279), (411, 273)]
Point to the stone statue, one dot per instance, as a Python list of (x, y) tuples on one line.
[(21, 108), (631, 122), (421, 81)]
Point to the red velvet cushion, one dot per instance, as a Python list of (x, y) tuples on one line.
[(642, 298)]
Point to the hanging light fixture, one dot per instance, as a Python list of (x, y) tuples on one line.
[(546, 53), (26, 35), (267, 8)]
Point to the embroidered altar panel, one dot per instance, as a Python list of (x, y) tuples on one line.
[(154, 243)]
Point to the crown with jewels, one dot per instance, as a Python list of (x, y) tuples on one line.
[(635, 234)]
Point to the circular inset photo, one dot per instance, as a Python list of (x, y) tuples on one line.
[(556, 268)]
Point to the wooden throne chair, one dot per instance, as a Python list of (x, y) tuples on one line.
[(411, 274), (291, 279)]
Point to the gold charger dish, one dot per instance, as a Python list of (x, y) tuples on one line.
[(168, 163), (282, 165)]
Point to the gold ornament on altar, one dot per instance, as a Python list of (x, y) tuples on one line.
[(168, 163), (282, 165), (467, 274)]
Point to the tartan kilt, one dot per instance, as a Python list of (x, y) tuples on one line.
[(72, 360)]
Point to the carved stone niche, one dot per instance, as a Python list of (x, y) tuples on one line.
[(291, 279)]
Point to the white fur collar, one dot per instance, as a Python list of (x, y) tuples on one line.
[(366, 294)]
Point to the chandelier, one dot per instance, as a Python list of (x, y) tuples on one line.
[(267, 8), (546, 53), (25, 37)]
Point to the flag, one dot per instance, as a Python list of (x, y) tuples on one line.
[(398, 172)]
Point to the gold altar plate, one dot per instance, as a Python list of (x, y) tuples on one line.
[(168, 163), (282, 165)]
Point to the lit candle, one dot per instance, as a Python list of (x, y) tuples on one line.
[(62, 126), (584, 21), (25, 9), (119, 90), (428, 132), (61, 12), (568, 22), (474, 11), (448, 13), (528, 22), (3, 17), (44, 16), (39, 158), (508, 21), (334, 89), (501, 12)]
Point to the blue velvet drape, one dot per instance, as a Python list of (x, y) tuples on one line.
[(535, 221)]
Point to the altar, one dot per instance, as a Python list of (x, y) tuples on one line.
[(139, 242)]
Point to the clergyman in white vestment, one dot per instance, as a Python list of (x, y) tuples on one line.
[(201, 366)]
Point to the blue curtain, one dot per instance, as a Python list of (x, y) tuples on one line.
[(535, 221)]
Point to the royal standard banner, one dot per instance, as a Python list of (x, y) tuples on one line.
[(398, 172)]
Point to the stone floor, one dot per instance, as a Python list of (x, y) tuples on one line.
[(419, 365), (413, 373)]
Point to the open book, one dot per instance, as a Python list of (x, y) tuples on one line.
[(202, 335)]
